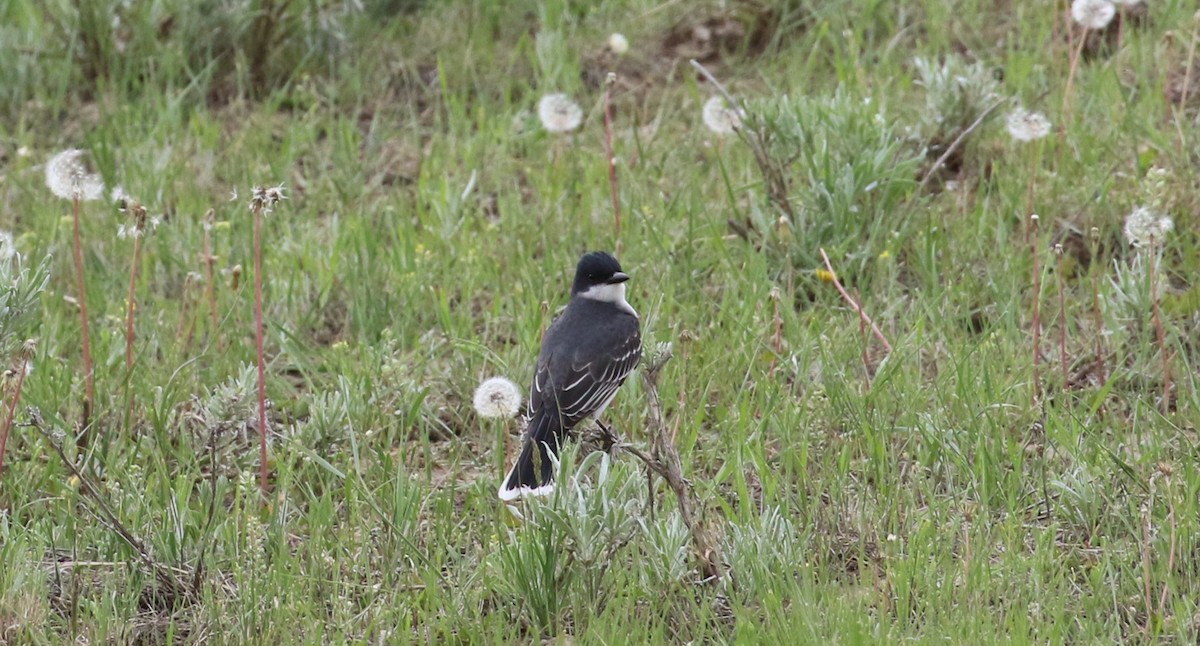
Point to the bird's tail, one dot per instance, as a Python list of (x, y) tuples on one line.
[(533, 472)]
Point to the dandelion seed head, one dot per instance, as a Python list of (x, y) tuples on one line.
[(1024, 125), (68, 177), (720, 118), (119, 197), (8, 249), (618, 44), (497, 397), (264, 199), (1146, 227), (559, 113), (1093, 14)]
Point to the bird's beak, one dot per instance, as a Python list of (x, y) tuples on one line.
[(618, 277)]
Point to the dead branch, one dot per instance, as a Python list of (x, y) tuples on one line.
[(664, 461)]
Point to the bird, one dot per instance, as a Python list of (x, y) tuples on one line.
[(586, 354)]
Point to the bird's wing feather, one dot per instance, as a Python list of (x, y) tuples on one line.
[(579, 389)]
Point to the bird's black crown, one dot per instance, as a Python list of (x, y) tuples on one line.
[(597, 268)]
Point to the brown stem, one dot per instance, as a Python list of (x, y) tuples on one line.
[(1187, 73), (1066, 107), (1165, 594), (131, 304), (866, 355), (1099, 317), (210, 269), (1037, 308), (1145, 554), (12, 409), (664, 461), (88, 373), (958, 141), (258, 347), (854, 305), (1159, 332), (608, 149), (1062, 319)]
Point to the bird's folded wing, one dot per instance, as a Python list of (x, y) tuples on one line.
[(581, 389)]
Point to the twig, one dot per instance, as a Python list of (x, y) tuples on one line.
[(958, 141), (664, 461), (866, 355), (853, 305), (609, 82), (707, 550), (163, 574), (712, 79)]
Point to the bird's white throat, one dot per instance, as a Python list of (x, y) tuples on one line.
[(609, 293)]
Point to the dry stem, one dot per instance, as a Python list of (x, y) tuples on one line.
[(12, 408), (854, 305), (1037, 308), (664, 461), (1160, 332), (88, 372), (258, 347), (608, 149)]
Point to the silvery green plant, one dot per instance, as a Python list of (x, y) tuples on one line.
[(836, 168), (956, 94), (571, 539), (761, 552), (21, 287), (665, 563)]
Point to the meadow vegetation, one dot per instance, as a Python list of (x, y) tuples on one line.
[(1012, 456)]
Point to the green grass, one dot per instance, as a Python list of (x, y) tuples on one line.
[(429, 236)]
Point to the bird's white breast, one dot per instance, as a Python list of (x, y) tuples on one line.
[(614, 293)]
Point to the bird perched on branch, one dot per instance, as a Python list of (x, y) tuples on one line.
[(586, 355)]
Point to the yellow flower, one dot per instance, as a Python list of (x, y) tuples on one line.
[(885, 255), (826, 276)]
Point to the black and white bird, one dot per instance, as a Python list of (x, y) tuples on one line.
[(586, 355)]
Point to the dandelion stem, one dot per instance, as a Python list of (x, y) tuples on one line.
[(1037, 309), (608, 149), (209, 268), (88, 373), (12, 409), (1097, 313), (1159, 331), (258, 347), (131, 303), (1062, 319), (1075, 56)]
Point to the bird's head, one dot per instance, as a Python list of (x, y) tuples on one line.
[(598, 274)]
